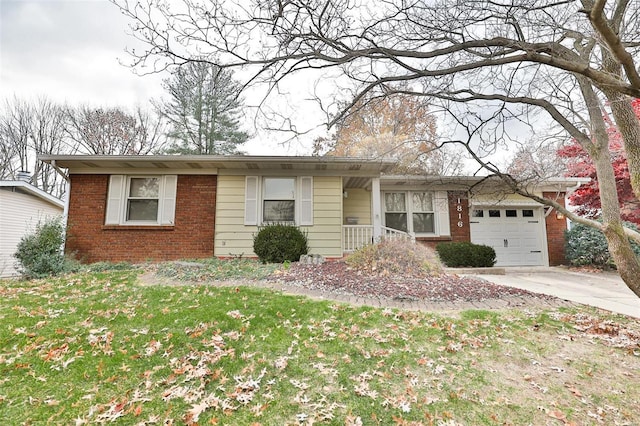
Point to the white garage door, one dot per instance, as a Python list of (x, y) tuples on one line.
[(515, 233)]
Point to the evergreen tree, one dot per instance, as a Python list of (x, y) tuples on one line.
[(203, 111)]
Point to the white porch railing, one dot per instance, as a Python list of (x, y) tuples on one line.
[(394, 234), (357, 236)]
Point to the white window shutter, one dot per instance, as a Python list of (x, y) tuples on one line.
[(168, 202), (251, 200), (115, 198), (306, 201), (442, 213)]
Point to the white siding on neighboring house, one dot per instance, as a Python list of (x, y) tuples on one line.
[(235, 238), (19, 214)]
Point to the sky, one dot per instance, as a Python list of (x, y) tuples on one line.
[(74, 52)]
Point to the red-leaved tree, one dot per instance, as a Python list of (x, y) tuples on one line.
[(587, 197)]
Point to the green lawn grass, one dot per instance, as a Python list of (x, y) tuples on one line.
[(97, 347)]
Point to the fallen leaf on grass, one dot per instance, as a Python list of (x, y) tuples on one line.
[(573, 390)]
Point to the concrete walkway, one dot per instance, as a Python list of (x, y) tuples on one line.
[(603, 290)]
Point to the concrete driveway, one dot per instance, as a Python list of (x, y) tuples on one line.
[(603, 290)]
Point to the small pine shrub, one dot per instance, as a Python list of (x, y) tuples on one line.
[(40, 254), (280, 243), (587, 246), (466, 254), (396, 257)]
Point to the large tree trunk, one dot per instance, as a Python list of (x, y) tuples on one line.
[(629, 128), (619, 245)]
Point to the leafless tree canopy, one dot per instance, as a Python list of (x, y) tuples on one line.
[(30, 128), (489, 63), (523, 52), (112, 131), (26, 129)]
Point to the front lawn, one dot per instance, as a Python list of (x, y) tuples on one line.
[(97, 347)]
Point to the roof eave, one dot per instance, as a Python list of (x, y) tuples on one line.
[(34, 191)]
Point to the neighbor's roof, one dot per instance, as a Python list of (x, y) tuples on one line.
[(216, 163), (25, 187)]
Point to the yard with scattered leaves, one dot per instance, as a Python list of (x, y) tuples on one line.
[(99, 347)]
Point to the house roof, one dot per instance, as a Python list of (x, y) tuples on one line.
[(216, 163), (26, 187), (465, 182)]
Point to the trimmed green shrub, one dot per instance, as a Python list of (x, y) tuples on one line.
[(466, 254), (587, 246), (396, 257), (40, 254), (279, 243)]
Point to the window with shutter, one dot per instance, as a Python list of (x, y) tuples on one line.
[(141, 200), (278, 200)]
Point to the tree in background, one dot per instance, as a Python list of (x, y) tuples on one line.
[(26, 130), (15, 131), (113, 131), (534, 162), (587, 197), (203, 110), (399, 127), (30, 128)]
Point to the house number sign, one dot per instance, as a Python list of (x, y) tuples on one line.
[(459, 210)]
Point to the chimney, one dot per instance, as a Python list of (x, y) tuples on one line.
[(24, 176)]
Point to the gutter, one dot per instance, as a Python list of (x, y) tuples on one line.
[(65, 211)]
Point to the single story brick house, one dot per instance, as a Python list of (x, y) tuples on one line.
[(22, 207), (139, 208)]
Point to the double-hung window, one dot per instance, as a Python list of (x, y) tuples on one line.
[(411, 211), (143, 196), (395, 215), (141, 200), (422, 213), (278, 200)]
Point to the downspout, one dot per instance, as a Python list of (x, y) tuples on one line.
[(567, 191), (570, 191), (67, 196)]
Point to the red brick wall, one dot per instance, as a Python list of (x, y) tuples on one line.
[(458, 212), (190, 237), (555, 231)]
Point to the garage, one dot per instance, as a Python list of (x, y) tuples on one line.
[(515, 233)]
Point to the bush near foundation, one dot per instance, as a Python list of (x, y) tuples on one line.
[(396, 257), (280, 243), (40, 253), (587, 246), (466, 255)]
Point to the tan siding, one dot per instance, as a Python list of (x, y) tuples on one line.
[(233, 238), (325, 237), (19, 215), (358, 204)]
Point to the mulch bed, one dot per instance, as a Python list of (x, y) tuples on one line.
[(338, 277)]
